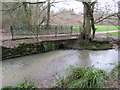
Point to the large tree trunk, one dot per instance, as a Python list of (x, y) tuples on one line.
[(88, 23), (92, 19)]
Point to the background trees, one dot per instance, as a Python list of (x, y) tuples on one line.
[(89, 22), (26, 14), (38, 13)]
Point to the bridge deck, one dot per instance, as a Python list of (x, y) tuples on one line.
[(13, 43)]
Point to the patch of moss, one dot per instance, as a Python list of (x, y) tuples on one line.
[(95, 45), (21, 50)]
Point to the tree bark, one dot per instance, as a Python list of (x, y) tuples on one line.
[(48, 14), (86, 24), (92, 19)]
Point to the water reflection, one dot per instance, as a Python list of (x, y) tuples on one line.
[(84, 58)]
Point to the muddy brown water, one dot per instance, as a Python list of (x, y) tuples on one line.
[(43, 69)]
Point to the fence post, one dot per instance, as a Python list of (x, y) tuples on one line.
[(80, 30), (37, 30), (61, 27), (11, 30), (55, 31), (71, 30)]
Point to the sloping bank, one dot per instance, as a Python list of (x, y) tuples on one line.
[(80, 77), (45, 46), (89, 77)]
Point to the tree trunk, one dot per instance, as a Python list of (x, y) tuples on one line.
[(92, 19), (86, 24), (48, 14)]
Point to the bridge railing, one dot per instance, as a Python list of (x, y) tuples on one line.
[(24, 31)]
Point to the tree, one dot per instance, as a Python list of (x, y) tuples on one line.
[(89, 22), (107, 13), (119, 14), (48, 13), (29, 14)]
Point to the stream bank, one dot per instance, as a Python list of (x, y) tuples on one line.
[(23, 49), (46, 67), (80, 77)]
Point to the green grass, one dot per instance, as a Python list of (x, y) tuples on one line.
[(79, 77), (106, 28), (22, 86), (89, 77), (99, 28), (76, 28), (83, 77)]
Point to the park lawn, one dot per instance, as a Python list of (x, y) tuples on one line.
[(106, 28), (76, 28), (98, 28)]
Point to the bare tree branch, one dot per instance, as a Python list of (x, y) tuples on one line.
[(12, 9), (103, 18)]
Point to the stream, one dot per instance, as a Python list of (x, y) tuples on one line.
[(44, 68)]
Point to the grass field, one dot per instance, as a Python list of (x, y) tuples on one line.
[(76, 28), (106, 28), (100, 28)]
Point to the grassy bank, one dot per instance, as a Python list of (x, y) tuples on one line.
[(89, 77), (23, 85), (114, 77), (81, 77)]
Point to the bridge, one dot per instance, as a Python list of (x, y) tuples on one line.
[(19, 34), (51, 33), (12, 43)]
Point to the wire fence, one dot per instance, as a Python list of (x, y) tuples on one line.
[(24, 31)]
